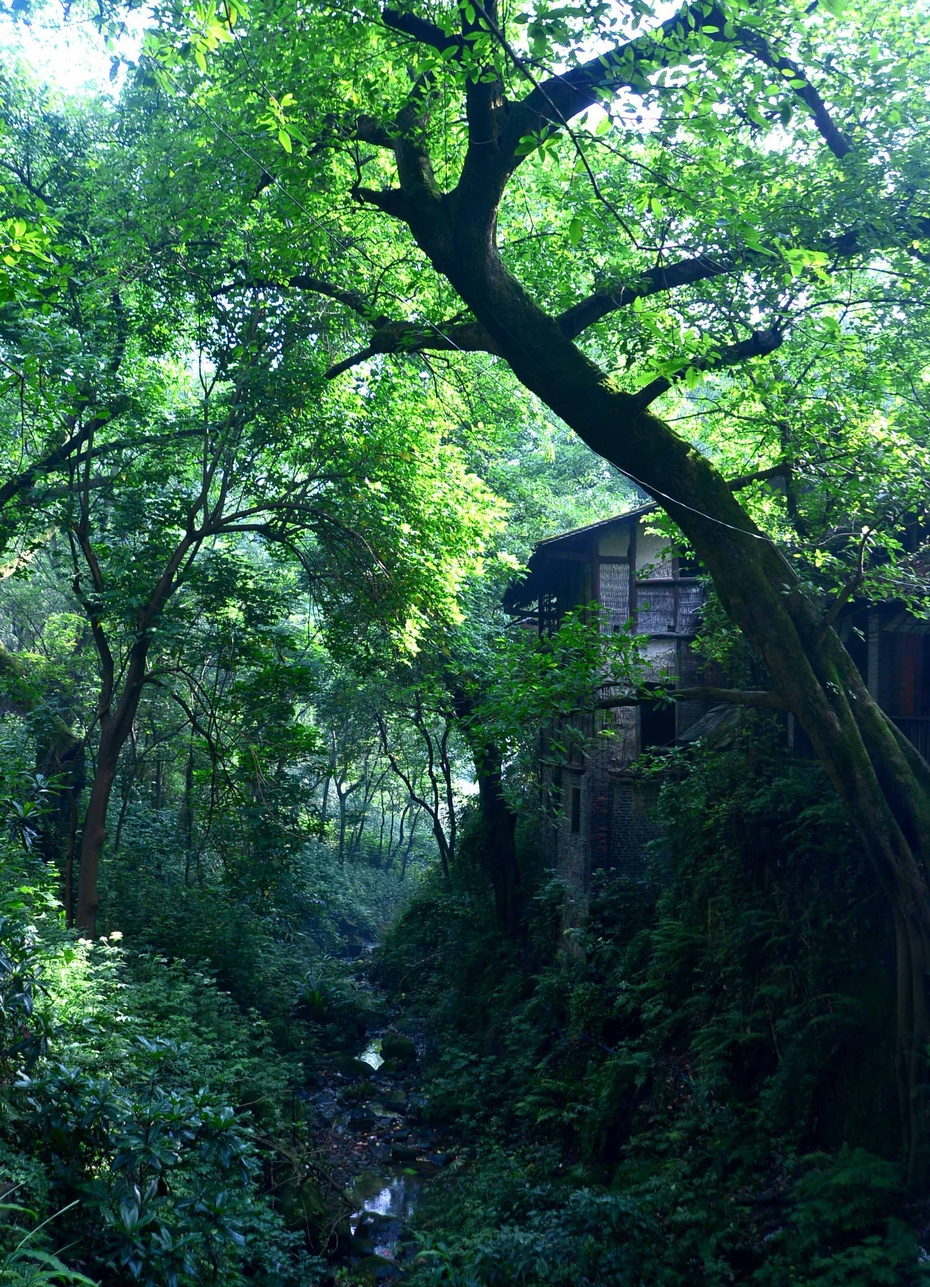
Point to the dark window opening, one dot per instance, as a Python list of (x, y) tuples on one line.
[(656, 724), (576, 810), (548, 614)]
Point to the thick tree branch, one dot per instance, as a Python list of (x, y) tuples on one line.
[(558, 99), (368, 130), (351, 298), (79, 435), (410, 337), (760, 476), (339, 368), (852, 585), (392, 201), (598, 305), (796, 78), (422, 31)]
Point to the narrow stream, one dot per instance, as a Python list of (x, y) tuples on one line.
[(387, 1193), (387, 1204)]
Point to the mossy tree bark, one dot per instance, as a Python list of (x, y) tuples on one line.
[(883, 782)]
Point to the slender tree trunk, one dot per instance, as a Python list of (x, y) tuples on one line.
[(327, 783), (432, 808), (342, 823), (356, 845), (498, 833), (123, 810), (69, 861), (95, 833), (159, 781), (498, 820), (408, 851), (187, 811), (115, 728), (127, 794), (381, 834)]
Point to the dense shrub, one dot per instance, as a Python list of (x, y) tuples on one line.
[(257, 945), (715, 1062), (137, 1107)]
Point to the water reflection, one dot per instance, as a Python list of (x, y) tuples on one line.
[(371, 1055), (387, 1203)]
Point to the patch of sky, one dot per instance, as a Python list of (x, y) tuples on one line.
[(64, 46)]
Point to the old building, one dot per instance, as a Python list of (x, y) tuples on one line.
[(597, 803)]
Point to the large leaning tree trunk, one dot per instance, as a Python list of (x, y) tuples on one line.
[(883, 782)]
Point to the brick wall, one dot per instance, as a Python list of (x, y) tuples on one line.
[(632, 823)]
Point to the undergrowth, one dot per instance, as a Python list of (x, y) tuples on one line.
[(137, 1105), (152, 1128), (701, 1092)]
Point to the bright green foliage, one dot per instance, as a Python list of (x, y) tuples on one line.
[(706, 155), (522, 682), (219, 369), (208, 411), (131, 1102)]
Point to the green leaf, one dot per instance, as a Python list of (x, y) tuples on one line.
[(527, 144), (285, 140), (575, 229)]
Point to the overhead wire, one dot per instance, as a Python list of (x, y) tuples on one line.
[(350, 249)]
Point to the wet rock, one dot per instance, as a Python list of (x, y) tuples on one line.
[(378, 1229), (362, 1117), (352, 1068), (407, 1024), (375, 1269), (423, 1166), (343, 1235), (326, 1104), (358, 1245), (360, 1090), (417, 1106), (398, 1049), (382, 1110), (404, 1152), (394, 1098)]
